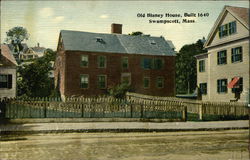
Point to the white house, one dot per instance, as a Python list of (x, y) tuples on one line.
[(223, 72), (8, 66)]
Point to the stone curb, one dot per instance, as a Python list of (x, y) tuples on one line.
[(120, 130), (82, 120)]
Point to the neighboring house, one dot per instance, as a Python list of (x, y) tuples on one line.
[(223, 72), (90, 63), (7, 73), (39, 51), (32, 52), (29, 54)]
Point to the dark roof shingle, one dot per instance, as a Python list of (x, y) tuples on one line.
[(115, 43)]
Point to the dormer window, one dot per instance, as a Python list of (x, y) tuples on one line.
[(99, 39), (227, 29), (232, 27), (152, 42)]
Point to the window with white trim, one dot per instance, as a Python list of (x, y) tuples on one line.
[(238, 86), (124, 62), (84, 61), (84, 81), (101, 81), (202, 66), (222, 57), (236, 54), (227, 29), (160, 82), (222, 85), (101, 61), (203, 88), (6, 81)]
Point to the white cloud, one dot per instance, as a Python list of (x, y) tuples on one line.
[(46, 12), (104, 16), (49, 13), (58, 19)]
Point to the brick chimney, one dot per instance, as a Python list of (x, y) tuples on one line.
[(116, 28)]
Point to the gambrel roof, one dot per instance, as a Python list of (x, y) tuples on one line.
[(115, 43), (239, 13)]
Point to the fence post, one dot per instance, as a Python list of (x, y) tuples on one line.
[(82, 109), (45, 110), (131, 110), (141, 110), (235, 111), (200, 111), (2, 108), (184, 113)]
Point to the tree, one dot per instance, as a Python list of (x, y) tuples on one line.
[(34, 80), (50, 55), (137, 33), (186, 77), (16, 36)]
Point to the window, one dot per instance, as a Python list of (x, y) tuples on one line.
[(146, 82), (222, 57), (84, 61), (152, 42), (126, 78), (101, 62), (101, 80), (158, 63), (202, 66), (147, 63), (222, 85), (6, 81), (232, 27), (223, 30), (100, 40), (84, 81), (150, 63), (124, 62), (3, 81), (239, 86), (203, 88), (160, 82), (236, 54), (227, 29)]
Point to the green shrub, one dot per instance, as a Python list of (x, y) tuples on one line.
[(119, 91)]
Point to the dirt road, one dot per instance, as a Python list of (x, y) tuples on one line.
[(202, 145)]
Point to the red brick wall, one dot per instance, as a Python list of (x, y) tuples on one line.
[(113, 70), (59, 72)]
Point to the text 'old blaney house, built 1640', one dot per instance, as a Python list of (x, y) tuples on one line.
[(90, 63)]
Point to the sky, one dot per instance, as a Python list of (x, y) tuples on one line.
[(45, 19)]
